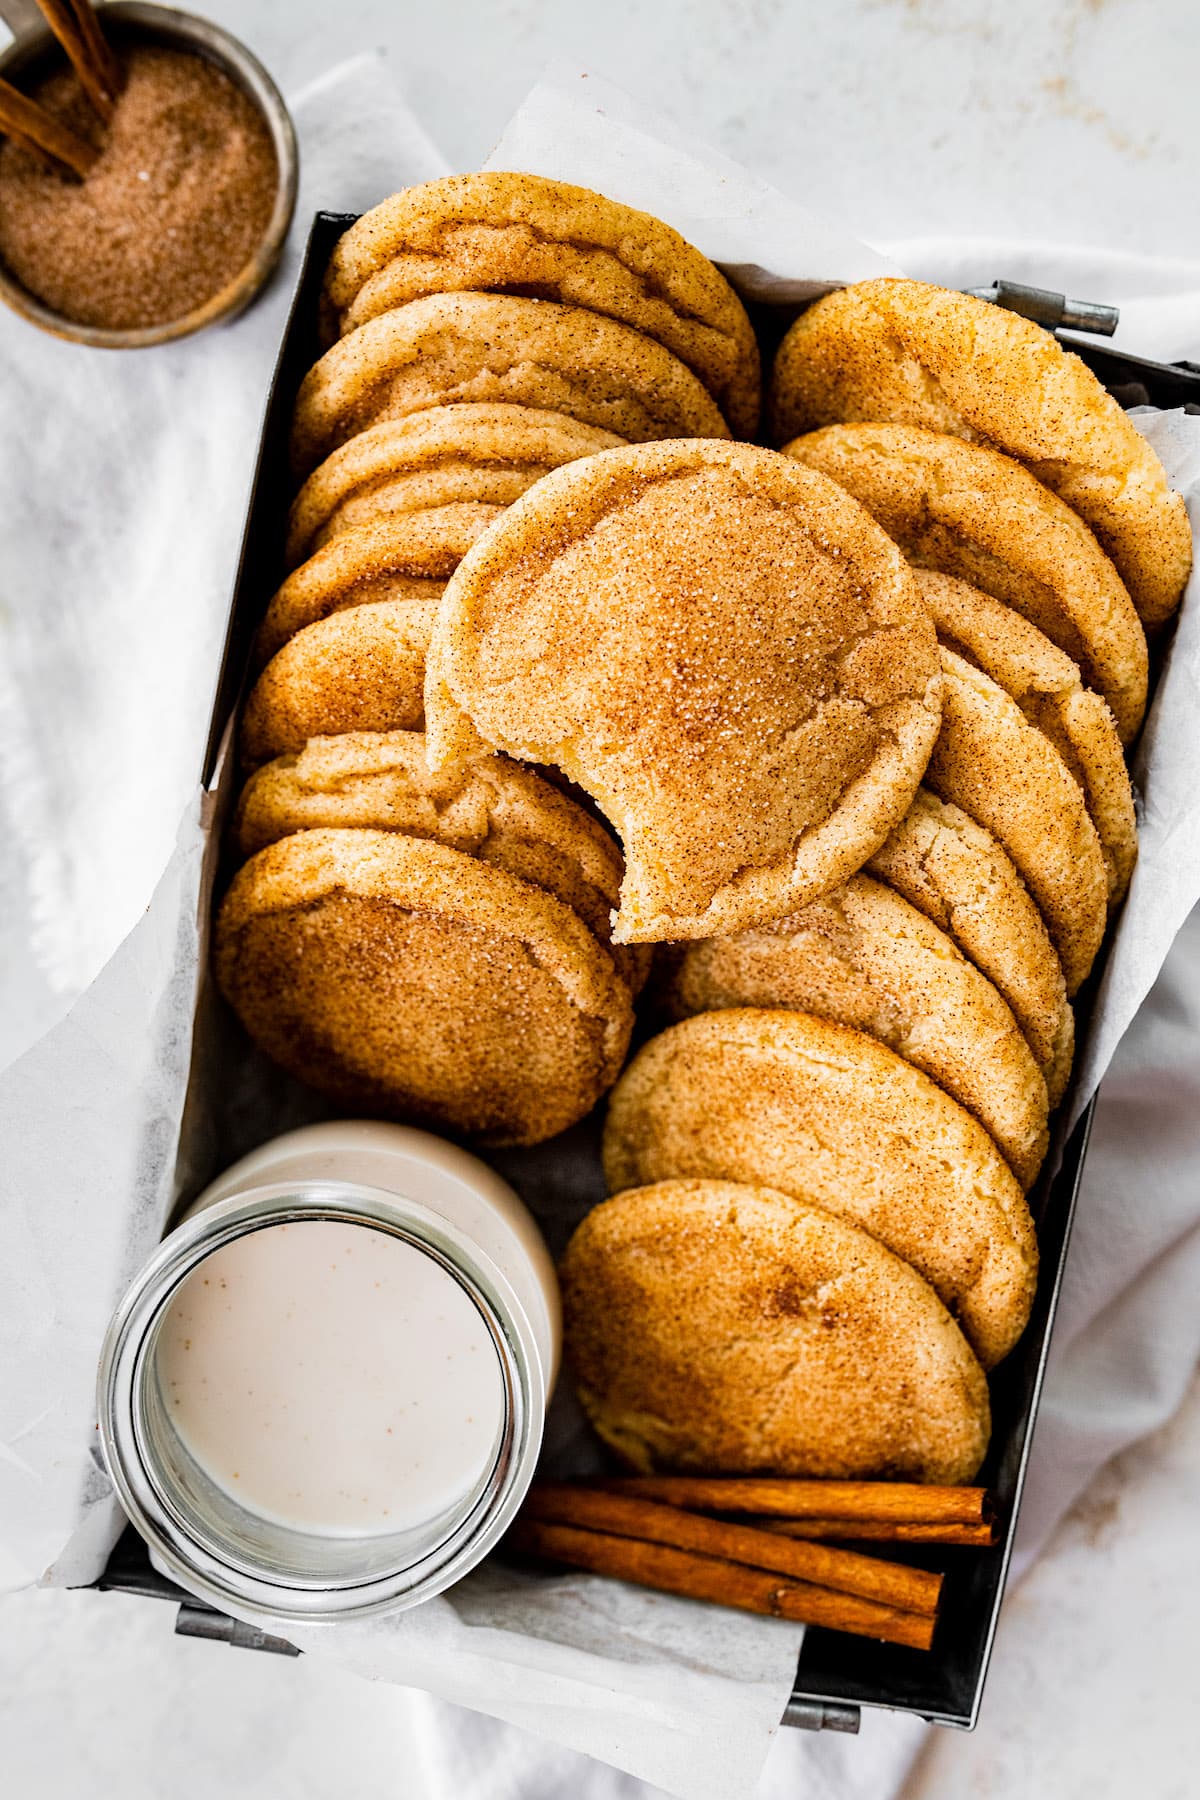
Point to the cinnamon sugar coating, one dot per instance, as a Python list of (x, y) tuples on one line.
[(956, 874), (971, 512), (497, 348), (361, 669), (998, 768), (914, 354), (721, 648), (1046, 685), (730, 1329), (864, 957), (492, 809), (481, 453), (834, 1117), (524, 234), (407, 980), (408, 558)]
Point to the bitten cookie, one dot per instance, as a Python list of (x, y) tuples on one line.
[(730, 1329), (408, 980), (722, 649)]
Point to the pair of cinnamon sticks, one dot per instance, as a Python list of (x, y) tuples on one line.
[(659, 1532), (77, 29)]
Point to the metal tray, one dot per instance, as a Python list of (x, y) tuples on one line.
[(837, 1675)]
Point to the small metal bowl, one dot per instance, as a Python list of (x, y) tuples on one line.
[(34, 53)]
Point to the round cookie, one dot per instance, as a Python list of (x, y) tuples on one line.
[(496, 348), (404, 979), (492, 809), (361, 669), (1045, 684), (730, 1329), (955, 873), (525, 234), (797, 1103), (720, 648), (864, 957), (913, 354), (998, 768), (448, 455), (971, 512), (408, 558)]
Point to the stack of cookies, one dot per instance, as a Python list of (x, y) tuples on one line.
[(437, 944), (855, 712)]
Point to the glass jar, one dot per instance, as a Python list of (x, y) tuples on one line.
[(439, 1201)]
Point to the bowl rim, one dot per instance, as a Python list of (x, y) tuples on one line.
[(171, 26)]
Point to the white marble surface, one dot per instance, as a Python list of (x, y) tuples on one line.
[(1075, 123)]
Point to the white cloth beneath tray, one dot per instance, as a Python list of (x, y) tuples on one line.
[(111, 637)]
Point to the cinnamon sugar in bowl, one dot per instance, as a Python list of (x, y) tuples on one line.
[(182, 218)]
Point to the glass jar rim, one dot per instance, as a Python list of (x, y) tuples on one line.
[(223, 1579)]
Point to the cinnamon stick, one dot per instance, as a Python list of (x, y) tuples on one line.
[(23, 118), (77, 29), (724, 1583), (626, 1515), (903, 1502), (883, 1531)]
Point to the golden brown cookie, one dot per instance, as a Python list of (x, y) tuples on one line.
[(497, 348), (406, 980), (797, 1103), (976, 514), (449, 455), (399, 559), (524, 234), (493, 809), (913, 354), (864, 957), (361, 669), (955, 873), (999, 769), (730, 1329), (734, 663), (1046, 685)]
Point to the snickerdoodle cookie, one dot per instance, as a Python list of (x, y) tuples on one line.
[(732, 1329), (496, 347), (717, 645), (836, 1118), (406, 979), (864, 957), (971, 512), (955, 873), (511, 233), (409, 558), (361, 669), (448, 455), (492, 809), (913, 354), (1001, 770), (1046, 685)]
